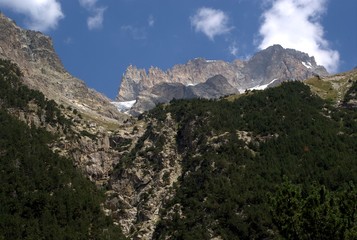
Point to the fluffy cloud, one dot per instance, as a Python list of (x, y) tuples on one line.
[(95, 21), (296, 24), (41, 15), (211, 22)]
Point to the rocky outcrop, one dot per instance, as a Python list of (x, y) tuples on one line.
[(272, 64), (196, 71), (214, 87), (335, 88), (33, 52), (144, 181), (282, 64), (137, 163), (88, 144)]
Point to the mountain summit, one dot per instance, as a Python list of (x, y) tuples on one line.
[(267, 67), (33, 52)]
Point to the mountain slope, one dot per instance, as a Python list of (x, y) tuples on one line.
[(334, 87), (33, 52), (42, 194), (232, 157)]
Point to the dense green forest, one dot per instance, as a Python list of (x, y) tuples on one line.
[(273, 164), (42, 195)]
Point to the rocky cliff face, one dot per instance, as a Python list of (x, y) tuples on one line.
[(143, 182), (214, 87), (192, 73), (272, 64), (33, 52)]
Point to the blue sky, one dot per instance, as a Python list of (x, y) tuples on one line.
[(98, 39)]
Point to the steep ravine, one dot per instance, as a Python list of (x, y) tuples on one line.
[(137, 164), (143, 180)]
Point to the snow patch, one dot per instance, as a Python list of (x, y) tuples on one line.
[(211, 61), (124, 106), (307, 64), (191, 84), (262, 87)]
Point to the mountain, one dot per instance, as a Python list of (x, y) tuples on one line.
[(227, 168), (266, 68), (191, 169), (272, 164), (91, 114), (33, 52)]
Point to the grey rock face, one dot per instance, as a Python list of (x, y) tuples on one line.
[(214, 87), (282, 64), (44, 71), (140, 189), (191, 79), (136, 81)]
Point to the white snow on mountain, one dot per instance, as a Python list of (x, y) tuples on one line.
[(124, 106), (307, 64), (262, 87)]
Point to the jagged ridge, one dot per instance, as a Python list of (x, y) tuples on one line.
[(272, 64)]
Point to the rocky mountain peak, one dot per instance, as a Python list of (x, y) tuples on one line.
[(34, 53), (272, 65), (29, 46), (275, 62)]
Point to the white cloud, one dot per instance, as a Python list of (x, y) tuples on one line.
[(95, 20), (233, 49), (42, 15), (296, 24), (151, 21), (88, 3), (211, 22)]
